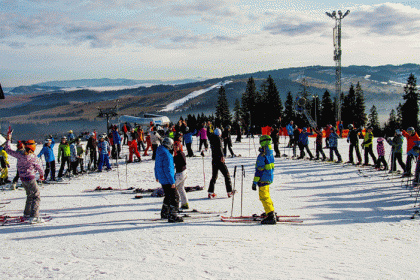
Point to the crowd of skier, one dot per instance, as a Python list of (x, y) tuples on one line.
[(167, 147)]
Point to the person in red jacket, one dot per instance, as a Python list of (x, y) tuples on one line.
[(149, 144), (411, 136), (132, 146)]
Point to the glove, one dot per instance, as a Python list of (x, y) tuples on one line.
[(254, 187), (348, 141)]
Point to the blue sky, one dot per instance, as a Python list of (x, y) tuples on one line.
[(44, 40)]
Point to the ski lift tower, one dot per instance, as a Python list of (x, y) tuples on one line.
[(337, 55)]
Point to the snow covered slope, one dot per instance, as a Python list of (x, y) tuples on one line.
[(356, 226)]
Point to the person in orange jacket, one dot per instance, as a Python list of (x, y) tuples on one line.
[(132, 146), (411, 136), (149, 144)]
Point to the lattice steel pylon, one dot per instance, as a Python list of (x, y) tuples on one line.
[(337, 56)]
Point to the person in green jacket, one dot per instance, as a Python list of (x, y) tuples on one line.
[(368, 146), (63, 156), (397, 150)]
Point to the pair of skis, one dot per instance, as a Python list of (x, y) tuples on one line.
[(293, 219), (19, 220)]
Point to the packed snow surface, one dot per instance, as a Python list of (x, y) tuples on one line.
[(178, 103), (356, 225)]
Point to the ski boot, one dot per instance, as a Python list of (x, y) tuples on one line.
[(173, 215), (185, 206), (164, 213), (211, 195), (271, 219)]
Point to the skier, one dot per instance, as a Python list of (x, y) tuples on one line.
[(91, 147), (48, 152), (327, 135), (202, 133), (295, 139), (333, 144), (368, 146), (4, 163), (132, 146), (275, 139), (188, 141), (28, 165), (341, 128), (180, 173), (116, 143), (125, 130), (227, 141), (264, 175), (218, 163), (397, 149), (381, 154), (290, 131), (411, 136), (155, 139), (63, 156), (74, 158), (140, 139), (304, 143), (353, 139), (149, 144), (70, 136), (20, 148), (165, 175), (104, 152), (318, 144)]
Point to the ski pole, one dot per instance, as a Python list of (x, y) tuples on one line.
[(204, 173), (126, 172), (242, 187), (234, 186), (118, 172)]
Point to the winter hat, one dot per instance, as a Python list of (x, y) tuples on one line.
[(217, 132), (64, 138), (30, 145), (265, 140), (380, 140), (304, 129), (20, 144)]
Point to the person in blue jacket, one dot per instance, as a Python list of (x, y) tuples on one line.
[(104, 151), (48, 152), (165, 175), (264, 175), (188, 141), (116, 142), (304, 143), (290, 129), (333, 145)]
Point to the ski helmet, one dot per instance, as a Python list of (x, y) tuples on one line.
[(304, 129), (48, 140), (30, 145), (168, 143), (187, 129), (217, 132), (410, 129), (228, 127), (350, 126), (398, 132), (265, 140), (64, 138)]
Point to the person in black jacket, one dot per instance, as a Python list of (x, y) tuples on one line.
[(353, 139), (275, 138), (227, 141), (218, 163), (93, 156)]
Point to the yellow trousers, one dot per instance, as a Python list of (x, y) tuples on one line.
[(265, 198)]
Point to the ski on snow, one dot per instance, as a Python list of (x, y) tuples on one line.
[(258, 219), (18, 220)]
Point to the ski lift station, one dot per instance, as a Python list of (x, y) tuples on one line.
[(145, 121)]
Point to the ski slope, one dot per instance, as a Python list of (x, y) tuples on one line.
[(356, 226)]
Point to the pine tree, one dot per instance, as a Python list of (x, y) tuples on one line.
[(327, 109), (392, 124), (410, 109), (289, 112), (373, 121), (249, 101), (237, 109), (360, 113), (271, 102), (222, 108), (349, 107)]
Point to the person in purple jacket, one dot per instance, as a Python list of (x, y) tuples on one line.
[(381, 154), (27, 165), (203, 138)]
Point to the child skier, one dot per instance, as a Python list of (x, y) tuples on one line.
[(304, 143), (368, 146), (333, 144), (48, 153), (28, 165), (412, 137), (397, 149), (21, 149), (74, 158), (218, 163), (227, 141), (381, 154), (188, 141), (4, 164), (353, 139), (180, 173), (149, 144), (165, 175), (203, 138), (318, 144), (132, 146), (104, 152), (264, 175), (91, 147)]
